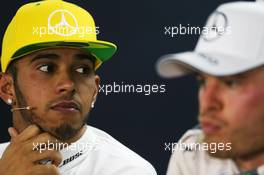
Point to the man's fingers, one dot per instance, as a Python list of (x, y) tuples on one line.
[(29, 132), (44, 140), (12, 132), (52, 155)]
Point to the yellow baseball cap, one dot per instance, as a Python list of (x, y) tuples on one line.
[(52, 23)]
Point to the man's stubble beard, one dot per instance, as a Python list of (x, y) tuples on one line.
[(240, 148), (63, 132), (222, 154)]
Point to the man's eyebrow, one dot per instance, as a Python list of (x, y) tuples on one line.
[(239, 76), (82, 56), (89, 57), (44, 56)]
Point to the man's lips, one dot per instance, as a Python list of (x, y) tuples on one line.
[(210, 127), (66, 106)]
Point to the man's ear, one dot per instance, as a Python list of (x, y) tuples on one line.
[(97, 83), (7, 92)]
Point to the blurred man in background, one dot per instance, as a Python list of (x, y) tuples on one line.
[(228, 61)]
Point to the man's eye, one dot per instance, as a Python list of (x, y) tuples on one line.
[(47, 68), (83, 70), (231, 82), (44, 68)]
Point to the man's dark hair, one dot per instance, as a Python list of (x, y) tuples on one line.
[(12, 70)]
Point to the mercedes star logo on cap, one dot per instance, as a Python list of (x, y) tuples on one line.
[(67, 26), (216, 26)]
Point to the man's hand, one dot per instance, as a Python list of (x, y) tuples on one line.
[(20, 158)]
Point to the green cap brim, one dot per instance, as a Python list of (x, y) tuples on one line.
[(101, 49)]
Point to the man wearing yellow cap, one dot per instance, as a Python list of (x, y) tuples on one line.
[(49, 56)]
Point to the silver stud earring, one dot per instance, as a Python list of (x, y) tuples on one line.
[(92, 105), (9, 101)]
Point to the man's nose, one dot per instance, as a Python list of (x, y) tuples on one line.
[(210, 97), (64, 83)]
